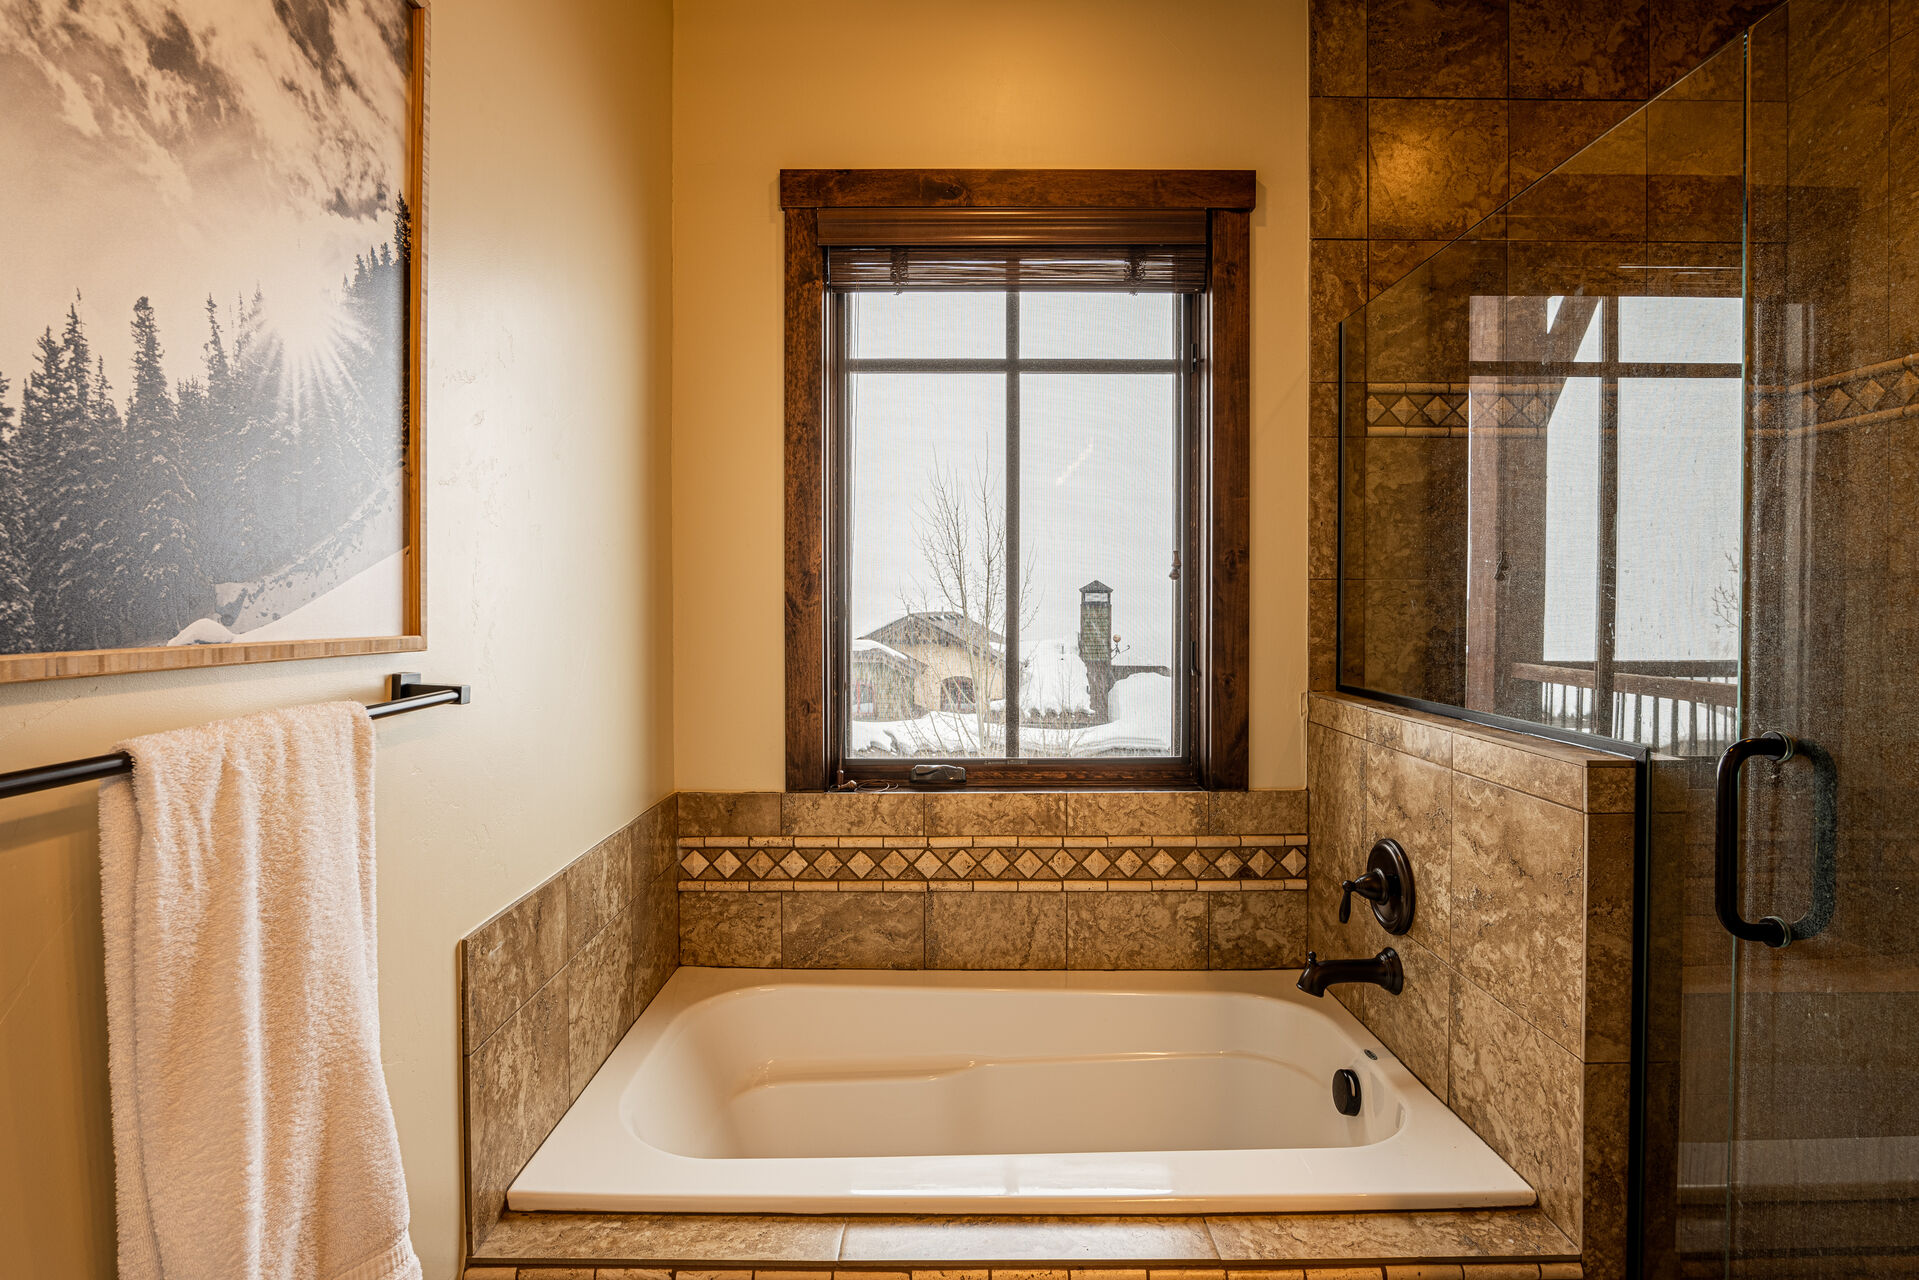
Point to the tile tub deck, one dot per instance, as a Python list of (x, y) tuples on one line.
[(1523, 1240)]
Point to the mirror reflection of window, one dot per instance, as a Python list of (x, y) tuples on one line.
[(1670, 393)]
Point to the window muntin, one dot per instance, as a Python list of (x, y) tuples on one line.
[(1090, 393)]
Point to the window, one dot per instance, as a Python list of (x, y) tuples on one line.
[(956, 694), (1016, 477), (1000, 453)]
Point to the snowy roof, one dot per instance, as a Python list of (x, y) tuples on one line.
[(937, 627), (1095, 585), (870, 648)]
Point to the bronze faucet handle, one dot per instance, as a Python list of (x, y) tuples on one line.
[(1371, 886)]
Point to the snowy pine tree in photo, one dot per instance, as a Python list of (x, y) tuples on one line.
[(17, 630), (62, 475), (164, 554)]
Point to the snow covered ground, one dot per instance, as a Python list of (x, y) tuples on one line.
[(1053, 679), (937, 733), (367, 539), (1142, 724), (370, 603)]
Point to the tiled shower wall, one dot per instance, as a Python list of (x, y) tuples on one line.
[(1427, 114), (1518, 1001), (548, 987), (1082, 880)]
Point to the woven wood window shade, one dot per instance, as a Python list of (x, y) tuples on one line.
[(1138, 251)]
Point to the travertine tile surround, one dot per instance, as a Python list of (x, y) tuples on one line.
[(550, 984), (1524, 1240), (1413, 1271), (994, 880), (548, 987), (537, 1029), (1518, 1001)]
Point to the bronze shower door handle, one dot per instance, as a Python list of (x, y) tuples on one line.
[(1773, 930)]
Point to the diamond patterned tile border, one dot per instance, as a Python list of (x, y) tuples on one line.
[(776, 859), (1488, 404), (1875, 393)]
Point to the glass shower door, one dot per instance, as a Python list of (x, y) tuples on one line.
[(1822, 1106), (1637, 459)]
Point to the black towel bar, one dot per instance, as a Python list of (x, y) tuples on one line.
[(406, 694)]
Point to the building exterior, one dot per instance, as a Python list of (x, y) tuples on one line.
[(954, 661), (883, 682)]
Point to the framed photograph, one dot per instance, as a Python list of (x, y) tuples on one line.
[(211, 309)]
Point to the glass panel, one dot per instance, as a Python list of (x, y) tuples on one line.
[(1543, 464), (1059, 326), (909, 326), (1086, 666), (1681, 331), (1541, 495), (926, 585), (1823, 1170), (1684, 367), (1099, 526)]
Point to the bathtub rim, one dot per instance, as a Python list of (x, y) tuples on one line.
[(547, 1182)]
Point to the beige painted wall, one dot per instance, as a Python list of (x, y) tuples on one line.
[(554, 488), (765, 84), (548, 591)]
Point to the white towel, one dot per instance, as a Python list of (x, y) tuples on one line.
[(252, 1135)]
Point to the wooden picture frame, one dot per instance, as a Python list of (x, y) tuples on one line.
[(71, 663), (1221, 484)]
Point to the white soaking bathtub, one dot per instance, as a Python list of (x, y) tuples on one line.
[(863, 1092)]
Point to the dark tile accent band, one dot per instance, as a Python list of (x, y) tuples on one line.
[(862, 858)]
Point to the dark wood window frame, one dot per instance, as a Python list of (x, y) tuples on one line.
[(1221, 441)]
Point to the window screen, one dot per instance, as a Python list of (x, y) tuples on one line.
[(1013, 487)]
